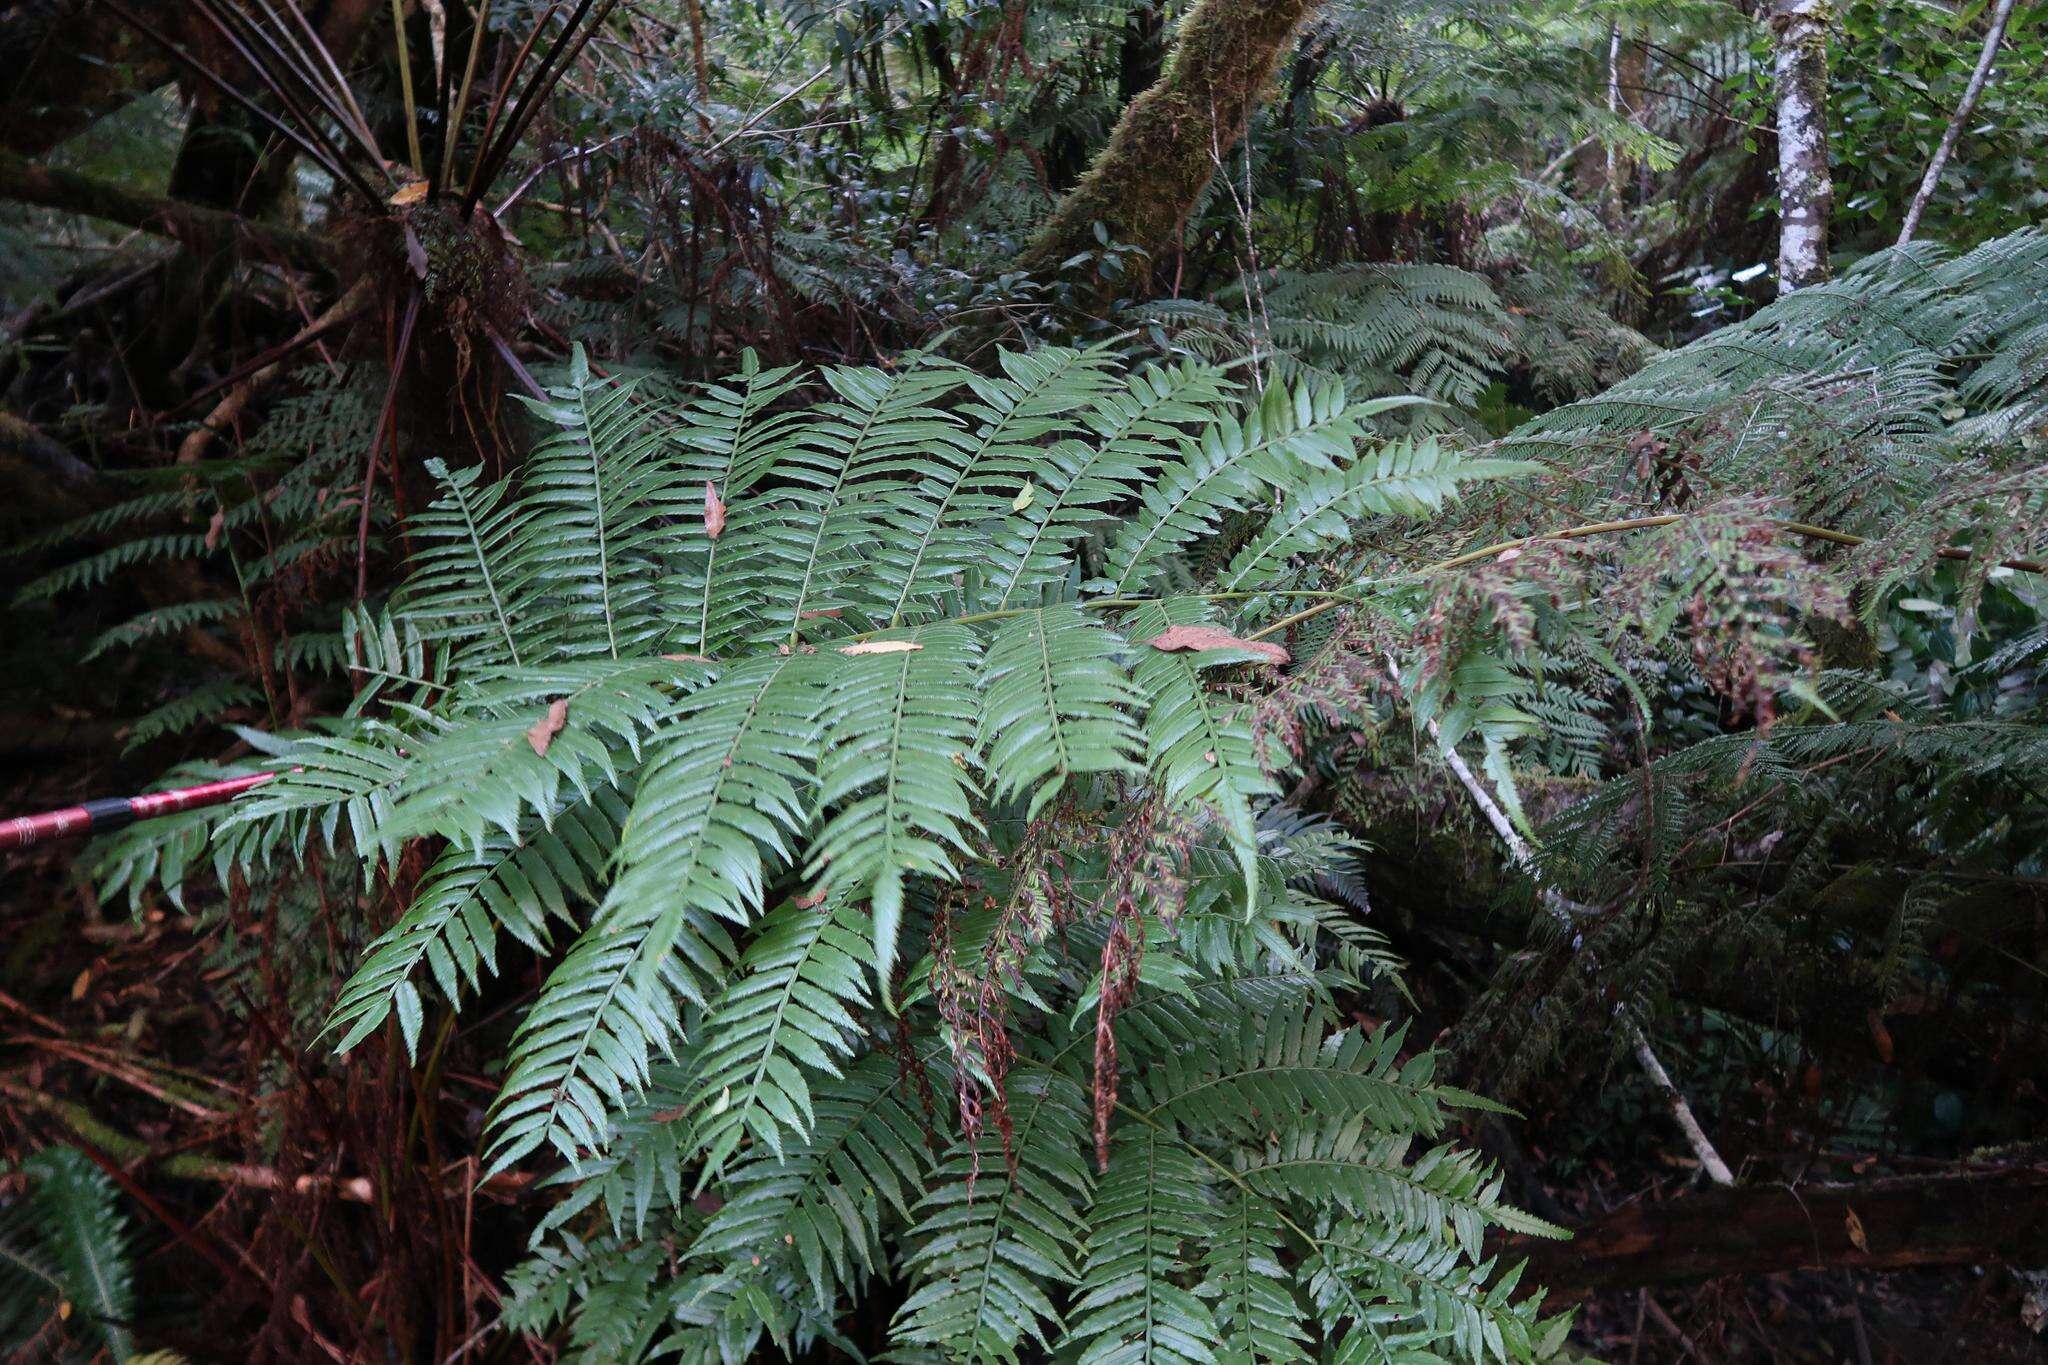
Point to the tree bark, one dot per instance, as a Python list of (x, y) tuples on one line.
[(25, 182), (1965, 1218), (1999, 19), (1169, 142), (1806, 188)]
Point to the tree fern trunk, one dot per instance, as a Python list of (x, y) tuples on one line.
[(1805, 186), (1169, 141)]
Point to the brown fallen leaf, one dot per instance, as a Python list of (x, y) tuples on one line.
[(882, 647), (714, 511), (833, 613), (547, 727), (688, 658), (1881, 1038), (1185, 639), (1857, 1237)]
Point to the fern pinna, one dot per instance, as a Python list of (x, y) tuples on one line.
[(849, 751)]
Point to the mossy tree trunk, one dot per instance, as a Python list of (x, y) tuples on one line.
[(1172, 138), (26, 182)]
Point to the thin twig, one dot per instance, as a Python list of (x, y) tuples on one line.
[(1942, 153), (386, 417), (1524, 858), (1664, 1320)]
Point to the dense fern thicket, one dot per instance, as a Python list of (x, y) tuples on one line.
[(1826, 518), (849, 768), (923, 696)]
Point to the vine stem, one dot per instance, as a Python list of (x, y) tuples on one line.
[(1329, 598), (1601, 528)]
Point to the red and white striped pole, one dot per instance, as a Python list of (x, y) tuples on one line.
[(113, 812)]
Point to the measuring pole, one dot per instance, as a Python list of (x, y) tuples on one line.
[(111, 813)]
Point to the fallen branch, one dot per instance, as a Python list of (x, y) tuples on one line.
[(25, 182), (180, 1165), (237, 398), (212, 1170), (50, 461), (1893, 1223)]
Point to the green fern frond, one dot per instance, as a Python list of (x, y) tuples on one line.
[(993, 1238), (1056, 703), (722, 794), (1200, 747), (1259, 1316), (1131, 1306), (825, 1196), (466, 899), (65, 1250), (1130, 431), (459, 590), (1288, 435), (895, 767), (785, 1014)]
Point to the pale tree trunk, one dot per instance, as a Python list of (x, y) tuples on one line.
[(1955, 125), (1172, 138), (1806, 189), (1610, 192)]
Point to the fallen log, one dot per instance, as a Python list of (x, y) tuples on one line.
[(25, 182), (1970, 1217)]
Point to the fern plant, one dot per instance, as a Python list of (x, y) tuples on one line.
[(846, 751), (267, 523), (66, 1278), (1789, 609), (1448, 334), (1434, 330)]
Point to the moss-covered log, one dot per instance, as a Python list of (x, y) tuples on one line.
[(1170, 140)]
